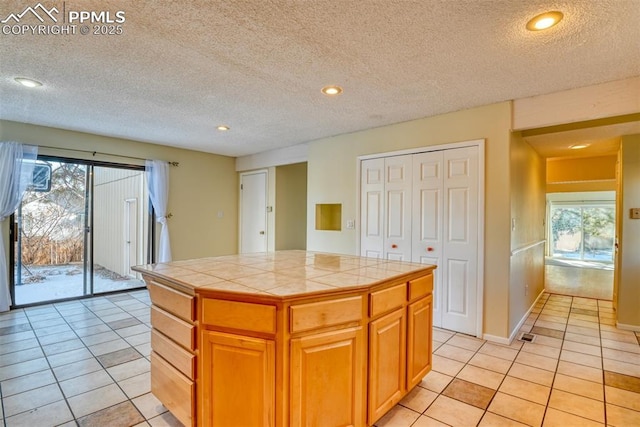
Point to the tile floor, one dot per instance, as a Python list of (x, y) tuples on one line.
[(579, 371), (85, 363), (79, 363)]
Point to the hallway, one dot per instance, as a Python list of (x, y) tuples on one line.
[(579, 279)]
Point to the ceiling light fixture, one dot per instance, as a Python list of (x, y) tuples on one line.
[(578, 146), (332, 90), (223, 128), (544, 21), (28, 82)]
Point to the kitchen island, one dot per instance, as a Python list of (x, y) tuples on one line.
[(287, 338)]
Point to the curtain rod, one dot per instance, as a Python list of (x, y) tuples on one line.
[(94, 153)]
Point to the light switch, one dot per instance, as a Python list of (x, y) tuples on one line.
[(351, 223), (635, 213)]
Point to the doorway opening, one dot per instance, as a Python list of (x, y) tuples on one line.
[(581, 250), (81, 234)]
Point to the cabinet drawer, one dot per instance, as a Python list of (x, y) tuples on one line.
[(173, 301), (173, 389), (322, 314), (177, 356), (387, 299), (239, 315), (177, 329), (420, 287)]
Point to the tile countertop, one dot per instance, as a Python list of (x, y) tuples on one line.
[(281, 274)]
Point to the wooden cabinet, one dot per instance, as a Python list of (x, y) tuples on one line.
[(387, 361), (327, 379), (237, 385), (419, 342), (173, 341), (337, 357), (399, 343)]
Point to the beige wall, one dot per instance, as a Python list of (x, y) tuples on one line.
[(527, 236), (332, 178), (201, 187), (291, 206), (581, 174), (629, 255)]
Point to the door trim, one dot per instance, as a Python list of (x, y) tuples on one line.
[(480, 143), (266, 199)]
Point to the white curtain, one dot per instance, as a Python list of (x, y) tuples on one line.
[(157, 173), (16, 174)]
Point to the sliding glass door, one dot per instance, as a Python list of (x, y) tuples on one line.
[(583, 231), (80, 233)]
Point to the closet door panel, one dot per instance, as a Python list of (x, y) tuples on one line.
[(372, 208), (397, 214)]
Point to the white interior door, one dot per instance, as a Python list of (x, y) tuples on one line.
[(372, 208), (130, 236), (397, 203), (427, 220), (460, 240), (430, 214), (253, 212)]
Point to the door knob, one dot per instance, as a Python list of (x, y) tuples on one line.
[(262, 232), (429, 249), (394, 246)]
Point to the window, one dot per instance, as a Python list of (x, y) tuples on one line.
[(582, 230)]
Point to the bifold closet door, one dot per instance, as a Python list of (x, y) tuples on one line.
[(385, 207), (445, 197), (427, 222), (397, 203)]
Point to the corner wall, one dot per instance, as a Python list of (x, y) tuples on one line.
[(333, 178), (203, 186), (291, 207), (528, 203), (629, 239)]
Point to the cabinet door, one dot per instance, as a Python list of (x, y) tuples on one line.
[(387, 358), (327, 379), (419, 338), (238, 380)]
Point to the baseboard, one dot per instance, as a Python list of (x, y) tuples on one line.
[(634, 328), (514, 333), (496, 339)]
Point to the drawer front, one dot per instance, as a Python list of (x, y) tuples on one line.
[(322, 314), (175, 302), (173, 389), (420, 287), (387, 299), (177, 329), (177, 356), (239, 315)]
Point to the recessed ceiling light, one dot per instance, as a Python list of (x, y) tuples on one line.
[(332, 90), (578, 146), (223, 128), (28, 82), (544, 21)]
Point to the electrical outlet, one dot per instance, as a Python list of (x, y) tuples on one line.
[(635, 213), (351, 223)]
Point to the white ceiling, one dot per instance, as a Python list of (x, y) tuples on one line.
[(181, 68)]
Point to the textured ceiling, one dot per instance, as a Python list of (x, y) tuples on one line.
[(181, 68)]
